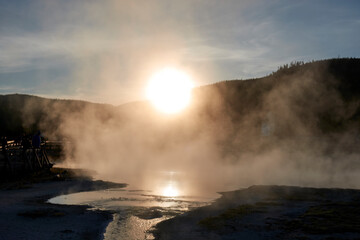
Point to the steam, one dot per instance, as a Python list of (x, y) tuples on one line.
[(214, 145), (271, 137)]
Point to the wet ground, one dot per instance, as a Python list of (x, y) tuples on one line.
[(25, 214), (135, 212), (271, 212)]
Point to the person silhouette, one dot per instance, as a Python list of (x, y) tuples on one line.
[(36, 140)]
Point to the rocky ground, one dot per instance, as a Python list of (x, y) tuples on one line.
[(25, 214), (271, 212)]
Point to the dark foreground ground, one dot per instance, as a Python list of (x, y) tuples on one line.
[(271, 212), (24, 213), (258, 212)]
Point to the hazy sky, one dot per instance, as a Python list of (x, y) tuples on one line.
[(105, 51)]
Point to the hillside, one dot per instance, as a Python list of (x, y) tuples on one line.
[(317, 99), (297, 102), (298, 106), (26, 114)]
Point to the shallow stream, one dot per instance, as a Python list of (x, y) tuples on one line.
[(135, 212)]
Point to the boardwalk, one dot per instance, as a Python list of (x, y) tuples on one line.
[(17, 159)]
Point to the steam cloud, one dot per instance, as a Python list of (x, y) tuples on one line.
[(273, 136)]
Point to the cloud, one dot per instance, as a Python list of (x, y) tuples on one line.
[(29, 51), (112, 47)]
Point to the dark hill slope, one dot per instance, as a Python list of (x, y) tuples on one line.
[(26, 114), (318, 100), (323, 97), (297, 106)]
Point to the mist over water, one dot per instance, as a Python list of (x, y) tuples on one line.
[(233, 134), (226, 139), (297, 126)]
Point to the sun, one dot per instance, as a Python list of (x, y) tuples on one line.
[(169, 90)]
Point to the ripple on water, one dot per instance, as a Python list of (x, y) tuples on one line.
[(135, 211)]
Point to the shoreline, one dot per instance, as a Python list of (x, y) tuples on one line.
[(270, 212), (26, 214)]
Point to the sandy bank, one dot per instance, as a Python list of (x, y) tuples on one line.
[(271, 212), (26, 215)]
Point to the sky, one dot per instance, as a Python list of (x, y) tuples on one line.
[(105, 51)]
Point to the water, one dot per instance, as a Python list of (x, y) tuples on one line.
[(136, 212)]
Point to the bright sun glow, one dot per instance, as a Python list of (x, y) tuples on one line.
[(169, 90), (170, 191)]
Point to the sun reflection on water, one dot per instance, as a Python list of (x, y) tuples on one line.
[(137, 211), (170, 191)]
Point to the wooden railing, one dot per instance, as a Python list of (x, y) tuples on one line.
[(16, 158)]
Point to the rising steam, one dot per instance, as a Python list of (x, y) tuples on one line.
[(272, 136), (275, 130)]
